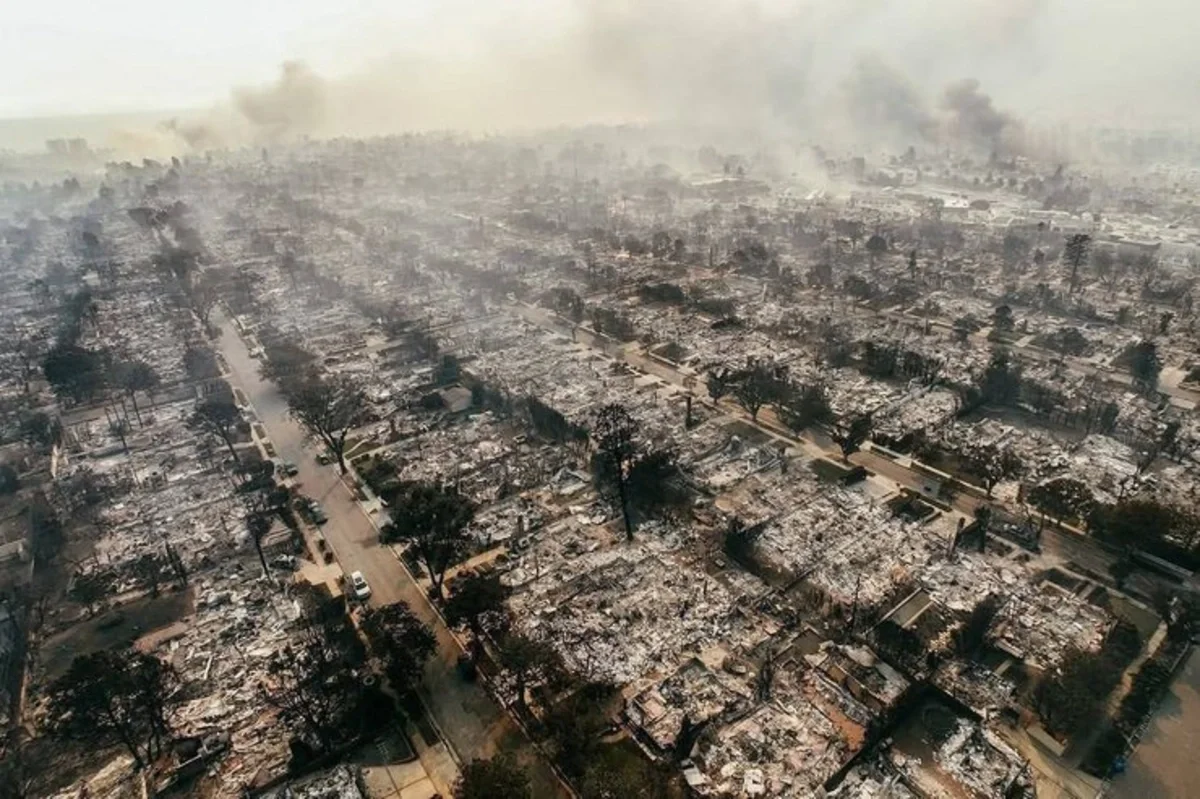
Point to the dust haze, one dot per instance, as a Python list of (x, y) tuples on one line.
[(962, 74)]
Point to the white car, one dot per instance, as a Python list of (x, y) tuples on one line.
[(359, 586)]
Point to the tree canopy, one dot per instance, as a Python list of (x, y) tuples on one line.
[(285, 360), (1063, 498), (973, 633), (41, 429), (217, 417), (805, 406), (400, 641), (653, 487), (530, 661), (1145, 365), (1000, 383), (756, 385), (577, 723), (200, 363), (76, 373), (615, 433), (1075, 254), (1072, 697), (120, 696), (1145, 523), (433, 520), (851, 435), (330, 408), (477, 602), (498, 778), (990, 464), (46, 533), (314, 684)]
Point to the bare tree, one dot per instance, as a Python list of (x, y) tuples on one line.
[(615, 432), (203, 296), (259, 522), (28, 353), (876, 246), (147, 570), (88, 590), (991, 464), (756, 386), (1075, 253), (1108, 269), (135, 376), (120, 428), (330, 409), (217, 417)]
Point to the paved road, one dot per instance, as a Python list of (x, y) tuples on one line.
[(471, 721), (1164, 765)]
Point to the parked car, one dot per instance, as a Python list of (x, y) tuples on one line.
[(287, 469), (324, 459), (311, 510), (359, 587)]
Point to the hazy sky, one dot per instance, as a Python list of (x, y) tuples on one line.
[(508, 61), (82, 56)]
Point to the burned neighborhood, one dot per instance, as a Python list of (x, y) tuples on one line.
[(597, 461)]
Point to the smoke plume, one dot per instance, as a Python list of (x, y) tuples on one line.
[(294, 104), (879, 98), (195, 134), (974, 118), (858, 72)]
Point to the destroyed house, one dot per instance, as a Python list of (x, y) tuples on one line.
[(780, 749), (694, 692), (864, 675)]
